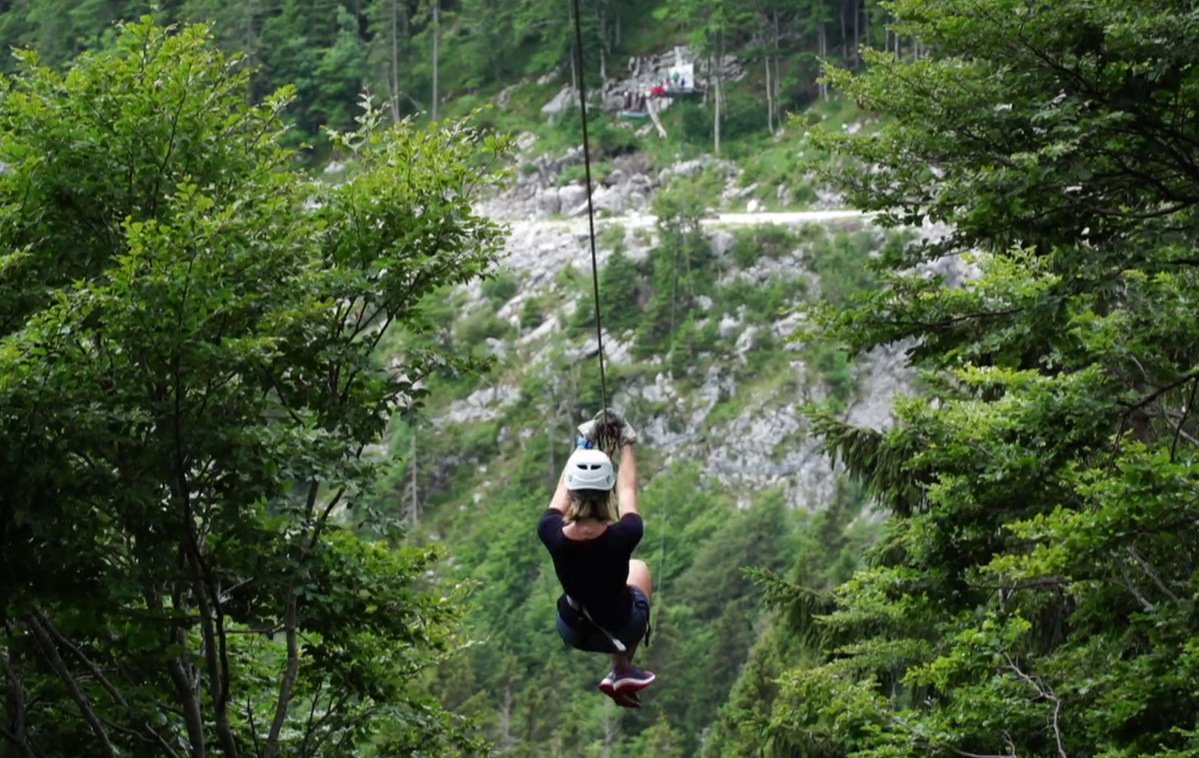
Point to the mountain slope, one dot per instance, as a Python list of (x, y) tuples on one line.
[(700, 326)]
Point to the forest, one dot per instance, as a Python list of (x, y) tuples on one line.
[(203, 348), (435, 59)]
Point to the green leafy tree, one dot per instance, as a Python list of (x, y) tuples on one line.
[(187, 384), (662, 740), (1034, 596)]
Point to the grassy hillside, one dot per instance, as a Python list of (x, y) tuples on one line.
[(765, 159)]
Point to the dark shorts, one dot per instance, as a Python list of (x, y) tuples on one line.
[(584, 636)]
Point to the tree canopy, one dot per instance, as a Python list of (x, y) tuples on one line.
[(1034, 595), (188, 382)]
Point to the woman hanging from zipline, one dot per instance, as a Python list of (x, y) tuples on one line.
[(606, 596)]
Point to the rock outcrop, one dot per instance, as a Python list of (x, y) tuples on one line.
[(766, 442)]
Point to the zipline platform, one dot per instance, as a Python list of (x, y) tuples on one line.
[(688, 93)]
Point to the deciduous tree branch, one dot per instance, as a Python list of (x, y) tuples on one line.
[(253, 728), (15, 707), (50, 652), (186, 689), (1147, 399), (145, 729), (1178, 432), (1131, 586), (289, 677), (214, 644), (964, 753), (1153, 575), (312, 721), (1046, 693), (967, 754), (18, 742)]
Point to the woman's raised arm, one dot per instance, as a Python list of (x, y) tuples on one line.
[(626, 482), (561, 498)]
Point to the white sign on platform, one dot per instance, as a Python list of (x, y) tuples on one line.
[(682, 76)]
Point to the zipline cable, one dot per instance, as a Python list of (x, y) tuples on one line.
[(599, 331)]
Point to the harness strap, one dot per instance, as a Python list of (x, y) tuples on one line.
[(620, 646)]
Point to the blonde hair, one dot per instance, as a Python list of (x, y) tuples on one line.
[(596, 504)]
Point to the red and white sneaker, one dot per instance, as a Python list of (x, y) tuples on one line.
[(623, 699), (625, 680)]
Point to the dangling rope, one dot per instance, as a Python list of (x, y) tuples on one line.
[(599, 330)]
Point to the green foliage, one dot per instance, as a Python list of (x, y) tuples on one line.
[(619, 287), (501, 288), (832, 364), (785, 161), (843, 261), (740, 119), (532, 313), (1033, 594), (483, 324), (187, 382), (750, 244), (826, 554), (605, 135)]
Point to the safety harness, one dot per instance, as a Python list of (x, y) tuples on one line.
[(616, 643), (619, 646)]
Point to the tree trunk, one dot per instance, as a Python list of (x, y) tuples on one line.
[(822, 43), (413, 507), (570, 46), (865, 32), (857, 35), (506, 720), (550, 433), (707, 98), (249, 31), (611, 732), (436, 52), (14, 743), (719, 66), (778, 59), (291, 637), (250, 48), (769, 96), (394, 78), (844, 34), (102, 745), (603, 54)]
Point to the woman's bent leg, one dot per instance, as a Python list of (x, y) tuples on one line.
[(641, 578)]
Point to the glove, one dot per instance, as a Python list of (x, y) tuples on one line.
[(588, 435), (610, 432)]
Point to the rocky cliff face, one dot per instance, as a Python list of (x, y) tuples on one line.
[(743, 424), (626, 191)]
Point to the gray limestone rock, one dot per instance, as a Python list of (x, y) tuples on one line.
[(559, 102), (572, 195), (549, 201)]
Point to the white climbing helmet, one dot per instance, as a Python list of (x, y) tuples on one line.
[(589, 470)]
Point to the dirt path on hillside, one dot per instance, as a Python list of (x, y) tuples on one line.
[(637, 221)]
